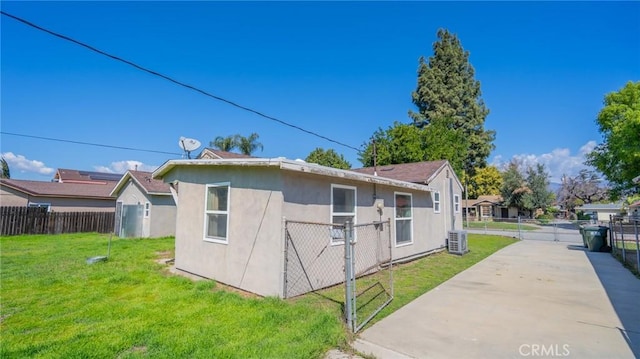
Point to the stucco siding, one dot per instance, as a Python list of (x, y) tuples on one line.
[(10, 197), (162, 217), (252, 259)]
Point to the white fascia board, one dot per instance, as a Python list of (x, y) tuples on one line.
[(290, 165)]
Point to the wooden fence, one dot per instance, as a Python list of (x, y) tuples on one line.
[(34, 220)]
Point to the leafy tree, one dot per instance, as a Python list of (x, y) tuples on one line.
[(225, 143), (486, 181), (539, 197), (618, 156), (5, 169), (400, 143), (584, 188), (447, 89), (514, 188), (248, 145), (406, 143), (329, 158)]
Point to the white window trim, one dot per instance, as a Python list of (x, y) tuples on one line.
[(147, 209), (456, 203), (40, 204), (206, 219), (410, 219), (336, 240), (439, 202)]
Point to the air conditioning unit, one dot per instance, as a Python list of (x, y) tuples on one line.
[(458, 242)]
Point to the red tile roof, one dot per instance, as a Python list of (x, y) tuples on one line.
[(55, 189), (418, 172)]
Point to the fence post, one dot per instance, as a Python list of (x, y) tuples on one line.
[(519, 229), (624, 254), (348, 272), (555, 231), (635, 229)]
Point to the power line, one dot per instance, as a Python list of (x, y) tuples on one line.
[(154, 73), (88, 143)]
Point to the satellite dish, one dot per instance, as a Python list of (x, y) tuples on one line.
[(188, 145)]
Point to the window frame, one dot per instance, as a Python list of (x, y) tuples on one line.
[(206, 238), (336, 240), (436, 203), (409, 219), (456, 203), (47, 205)]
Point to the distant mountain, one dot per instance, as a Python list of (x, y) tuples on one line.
[(554, 187)]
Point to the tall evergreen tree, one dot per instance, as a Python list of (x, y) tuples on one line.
[(447, 91)]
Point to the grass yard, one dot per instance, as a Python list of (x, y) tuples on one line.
[(55, 305), (503, 226)]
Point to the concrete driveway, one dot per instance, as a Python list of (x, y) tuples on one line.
[(532, 299)]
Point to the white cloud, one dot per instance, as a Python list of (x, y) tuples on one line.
[(124, 166), (23, 164), (558, 162)]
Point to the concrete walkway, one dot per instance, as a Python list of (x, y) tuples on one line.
[(531, 299)]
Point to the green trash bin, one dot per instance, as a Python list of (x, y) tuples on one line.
[(595, 237)]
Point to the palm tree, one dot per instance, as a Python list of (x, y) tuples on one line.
[(247, 145), (5, 169), (225, 143)]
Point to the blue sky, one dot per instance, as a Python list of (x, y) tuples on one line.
[(340, 69)]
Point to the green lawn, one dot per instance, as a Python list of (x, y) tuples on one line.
[(502, 226), (55, 305)]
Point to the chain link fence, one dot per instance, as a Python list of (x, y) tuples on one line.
[(625, 240), (557, 230), (316, 258)]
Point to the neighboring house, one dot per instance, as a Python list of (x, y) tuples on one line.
[(601, 211), (145, 207), (231, 212), (64, 175), (59, 197), (488, 208)]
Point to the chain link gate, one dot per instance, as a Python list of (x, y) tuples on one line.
[(316, 257)]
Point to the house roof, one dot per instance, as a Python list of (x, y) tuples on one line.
[(64, 175), (600, 206), (290, 165), (211, 153), (57, 189), (488, 199), (417, 172), (145, 180)]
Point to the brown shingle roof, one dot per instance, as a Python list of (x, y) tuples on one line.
[(418, 172), (55, 189), (78, 176), (152, 186)]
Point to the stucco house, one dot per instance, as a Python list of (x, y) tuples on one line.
[(58, 197), (601, 211), (231, 212), (145, 207)]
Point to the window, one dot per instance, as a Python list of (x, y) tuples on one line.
[(147, 209), (404, 219), (40, 205), (436, 202), (456, 203), (343, 209), (216, 217)]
